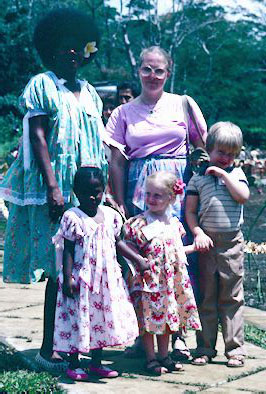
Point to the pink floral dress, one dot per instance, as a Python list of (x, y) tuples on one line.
[(101, 313), (164, 296)]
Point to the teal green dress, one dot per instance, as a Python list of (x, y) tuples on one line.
[(75, 139)]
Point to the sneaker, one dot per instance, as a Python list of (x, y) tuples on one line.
[(104, 372), (77, 374)]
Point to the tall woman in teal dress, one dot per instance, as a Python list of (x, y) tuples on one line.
[(61, 132)]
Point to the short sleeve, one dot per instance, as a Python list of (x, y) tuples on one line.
[(40, 94), (116, 128), (96, 98), (131, 231), (192, 189), (197, 127), (239, 174), (71, 227)]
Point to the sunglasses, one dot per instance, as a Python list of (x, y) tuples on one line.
[(146, 71)]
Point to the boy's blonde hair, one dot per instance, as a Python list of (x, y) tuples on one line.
[(225, 134), (164, 178)]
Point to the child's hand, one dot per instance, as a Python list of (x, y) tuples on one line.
[(203, 242), (216, 171), (68, 288), (190, 248), (181, 229)]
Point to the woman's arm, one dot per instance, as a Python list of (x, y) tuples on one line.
[(200, 143), (118, 173), (38, 130), (68, 259)]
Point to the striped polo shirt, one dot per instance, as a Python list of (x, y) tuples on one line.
[(218, 211)]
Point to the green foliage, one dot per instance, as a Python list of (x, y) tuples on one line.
[(255, 335), (29, 382), (14, 379), (10, 123)]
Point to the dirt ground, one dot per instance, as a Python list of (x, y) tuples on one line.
[(255, 267)]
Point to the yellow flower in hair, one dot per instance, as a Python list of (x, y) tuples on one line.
[(90, 48)]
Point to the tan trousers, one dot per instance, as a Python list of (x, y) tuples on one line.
[(221, 272)]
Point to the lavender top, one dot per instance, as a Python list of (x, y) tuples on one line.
[(141, 130)]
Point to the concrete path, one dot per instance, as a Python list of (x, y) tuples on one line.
[(21, 308)]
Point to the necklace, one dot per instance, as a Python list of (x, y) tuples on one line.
[(151, 108)]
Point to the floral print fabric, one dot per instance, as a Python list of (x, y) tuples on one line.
[(164, 296), (101, 313)]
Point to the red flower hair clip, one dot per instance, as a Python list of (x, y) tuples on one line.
[(178, 187)]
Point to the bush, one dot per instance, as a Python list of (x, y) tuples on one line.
[(15, 379), (28, 382)]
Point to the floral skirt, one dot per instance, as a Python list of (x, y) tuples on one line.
[(94, 320), (156, 313), (29, 251), (174, 307)]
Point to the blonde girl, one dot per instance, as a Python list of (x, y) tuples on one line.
[(162, 295)]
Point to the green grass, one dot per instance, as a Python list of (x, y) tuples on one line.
[(14, 378), (255, 335), (28, 382)]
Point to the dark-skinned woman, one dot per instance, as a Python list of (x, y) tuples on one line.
[(61, 132)]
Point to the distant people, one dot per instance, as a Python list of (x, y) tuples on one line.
[(254, 154), (61, 132), (214, 213), (108, 107), (126, 92), (162, 294), (242, 154), (92, 292)]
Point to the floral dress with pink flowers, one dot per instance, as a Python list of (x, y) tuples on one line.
[(100, 314), (163, 296)]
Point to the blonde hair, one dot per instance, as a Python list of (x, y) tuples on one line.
[(225, 134), (161, 51), (164, 178)]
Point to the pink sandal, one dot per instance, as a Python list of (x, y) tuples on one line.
[(77, 374), (103, 372)]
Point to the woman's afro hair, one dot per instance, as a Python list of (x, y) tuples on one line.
[(59, 24)]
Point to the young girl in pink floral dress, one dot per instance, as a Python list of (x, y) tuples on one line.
[(93, 307), (162, 295)]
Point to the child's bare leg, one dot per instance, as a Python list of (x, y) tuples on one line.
[(96, 357), (163, 343), (74, 361), (153, 366), (148, 343), (166, 361)]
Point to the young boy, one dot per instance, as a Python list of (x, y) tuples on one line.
[(214, 213)]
